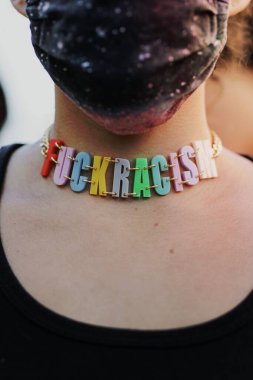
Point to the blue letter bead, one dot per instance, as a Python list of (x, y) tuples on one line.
[(163, 183), (78, 183)]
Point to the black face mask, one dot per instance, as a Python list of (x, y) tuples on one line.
[(128, 64)]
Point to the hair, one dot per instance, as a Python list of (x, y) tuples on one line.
[(239, 47), (3, 108)]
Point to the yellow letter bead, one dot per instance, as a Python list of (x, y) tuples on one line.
[(98, 176), (205, 162)]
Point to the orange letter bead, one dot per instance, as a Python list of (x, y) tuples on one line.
[(98, 175), (53, 152)]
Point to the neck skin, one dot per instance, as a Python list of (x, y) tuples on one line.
[(229, 106), (76, 130)]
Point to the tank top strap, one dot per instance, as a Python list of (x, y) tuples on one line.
[(249, 157), (5, 154)]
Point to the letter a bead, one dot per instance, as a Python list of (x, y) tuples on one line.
[(141, 179)]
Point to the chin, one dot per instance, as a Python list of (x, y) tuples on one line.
[(137, 122)]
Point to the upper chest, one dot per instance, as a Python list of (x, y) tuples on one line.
[(147, 264), (136, 266)]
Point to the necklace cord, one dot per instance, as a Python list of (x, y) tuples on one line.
[(216, 142)]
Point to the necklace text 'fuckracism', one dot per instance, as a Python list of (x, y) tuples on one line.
[(158, 175)]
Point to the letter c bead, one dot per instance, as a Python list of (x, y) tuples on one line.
[(164, 185), (78, 182)]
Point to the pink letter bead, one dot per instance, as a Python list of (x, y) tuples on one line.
[(205, 162), (64, 166), (192, 174)]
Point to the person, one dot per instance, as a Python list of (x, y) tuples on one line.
[(126, 230), (3, 107), (229, 89)]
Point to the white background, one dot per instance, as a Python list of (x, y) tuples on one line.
[(28, 88)]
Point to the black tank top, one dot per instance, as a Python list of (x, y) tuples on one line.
[(38, 343)]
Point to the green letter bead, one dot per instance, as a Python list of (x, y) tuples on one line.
[(141, 178), (163, 183)]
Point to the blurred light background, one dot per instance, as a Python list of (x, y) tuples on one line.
[(27, 86)]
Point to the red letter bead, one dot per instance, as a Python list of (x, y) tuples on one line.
[(52, 153)]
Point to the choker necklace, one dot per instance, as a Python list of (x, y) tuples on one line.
[(192, 163)]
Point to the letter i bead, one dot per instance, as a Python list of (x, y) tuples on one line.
[(175, 168)]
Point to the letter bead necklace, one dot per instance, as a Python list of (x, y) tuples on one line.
[(84, 172)]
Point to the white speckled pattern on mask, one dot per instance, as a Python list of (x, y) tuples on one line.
[(128, 64)]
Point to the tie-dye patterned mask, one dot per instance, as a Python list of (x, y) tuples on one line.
[(129, 64)]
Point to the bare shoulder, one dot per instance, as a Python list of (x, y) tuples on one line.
[(25, 158), (23, 169), (237, 172), (233, 199)]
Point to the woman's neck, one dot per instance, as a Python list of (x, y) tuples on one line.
[(76, 130), (229, 106)]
